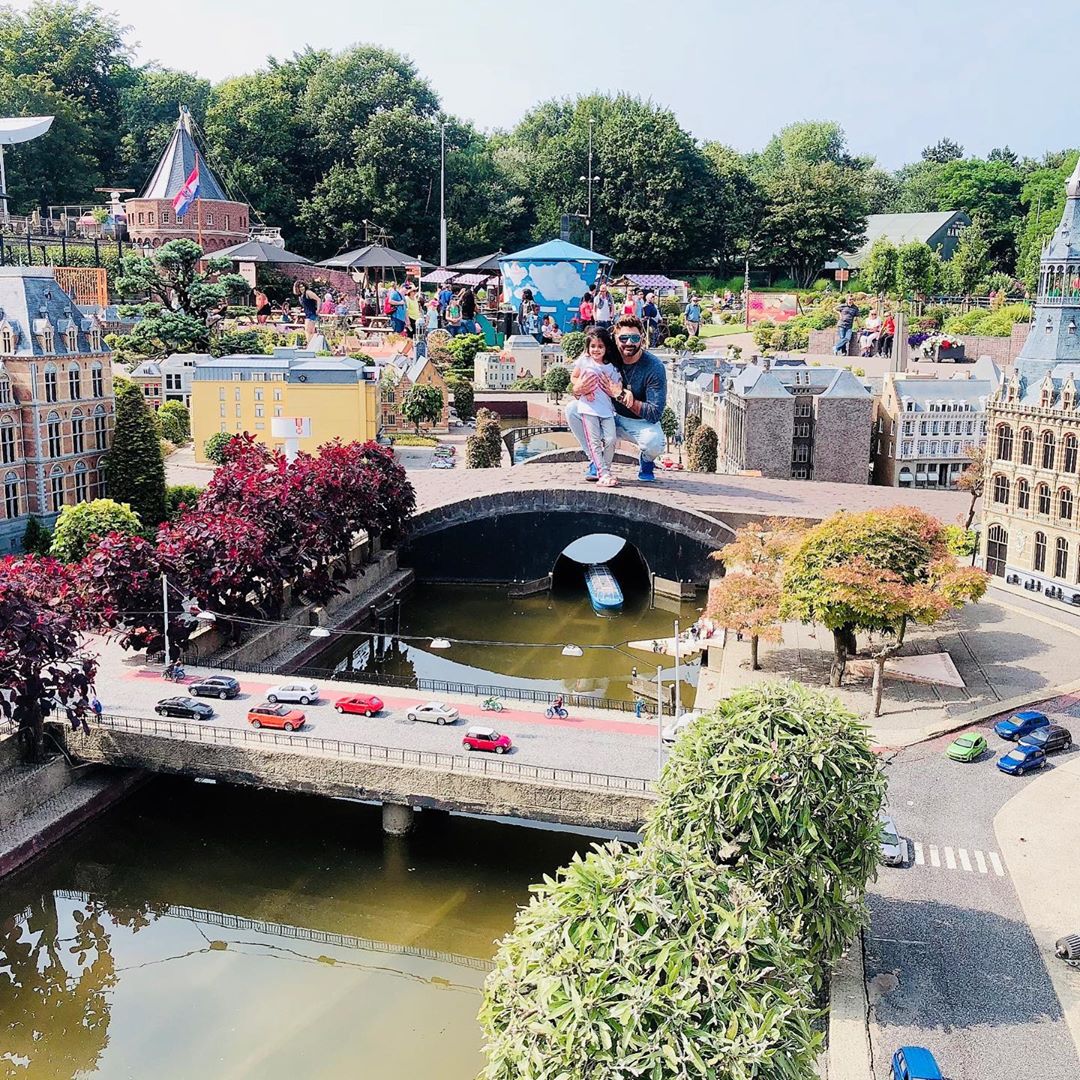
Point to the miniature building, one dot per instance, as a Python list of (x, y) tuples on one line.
[(795, 423), (396, 382), (56, 401), (927, 427), (168, 379), (1030, 519), (214, 220), (244, 393)]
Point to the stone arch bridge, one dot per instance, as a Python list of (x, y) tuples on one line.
[(512, 524)]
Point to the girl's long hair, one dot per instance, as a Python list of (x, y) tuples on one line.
[(611, 354)]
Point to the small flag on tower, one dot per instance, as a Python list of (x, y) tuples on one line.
[(188, 193)]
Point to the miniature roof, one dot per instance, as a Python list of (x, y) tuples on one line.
[(259, 251), (844, 384), (557, 251), (176, 164)]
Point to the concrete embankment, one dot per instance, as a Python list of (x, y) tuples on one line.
[(42, 804)]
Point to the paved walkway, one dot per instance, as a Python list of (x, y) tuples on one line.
[(1002, 650), (1038, 832)]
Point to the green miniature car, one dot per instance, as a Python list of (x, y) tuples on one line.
[(968, 747)]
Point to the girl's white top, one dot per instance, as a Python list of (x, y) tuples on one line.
[(601, 404)]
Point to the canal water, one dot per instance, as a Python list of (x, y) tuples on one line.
[(199, 930), (501, 641)]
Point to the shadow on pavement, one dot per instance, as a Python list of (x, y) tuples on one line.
[(956, 968)]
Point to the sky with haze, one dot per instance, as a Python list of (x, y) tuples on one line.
[(896, 75)]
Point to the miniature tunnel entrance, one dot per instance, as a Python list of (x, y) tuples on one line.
[(624, 559)]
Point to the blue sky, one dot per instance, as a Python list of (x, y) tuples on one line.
[(896, 75)]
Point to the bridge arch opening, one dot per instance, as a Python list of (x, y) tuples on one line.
[(625, 560)]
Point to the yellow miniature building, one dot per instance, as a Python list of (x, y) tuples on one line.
[(241, 394)]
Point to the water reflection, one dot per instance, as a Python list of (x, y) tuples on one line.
[(547, 621), (223, 932)]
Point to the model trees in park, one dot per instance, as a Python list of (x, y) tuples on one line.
[(423, 404), (875, 571), (134, 468)]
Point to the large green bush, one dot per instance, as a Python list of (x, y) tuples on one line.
[(175, 422), (464, 347), (702, 450), (649, 963), (780, 784), (78, 527), (573, 345), (134, 467), (989, 323)]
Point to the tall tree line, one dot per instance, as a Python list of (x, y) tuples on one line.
[(321, 142)]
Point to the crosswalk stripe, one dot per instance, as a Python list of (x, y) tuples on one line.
[(995, 862), (965, 862), (980, 862), (918, 853), (950, 860), (934, 860)]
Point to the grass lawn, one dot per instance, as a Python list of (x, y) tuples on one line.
[(709, 330)]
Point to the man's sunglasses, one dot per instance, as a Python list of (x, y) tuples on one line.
[(629, 339)]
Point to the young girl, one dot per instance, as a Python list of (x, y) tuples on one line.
[(595, 408)]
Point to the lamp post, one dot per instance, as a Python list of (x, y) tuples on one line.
[(442, 197), (165, 615), (675, 712), (589, 180), (659, 721)]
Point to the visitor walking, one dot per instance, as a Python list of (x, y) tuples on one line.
[(468, 310), (585, 311), (650, 319), (596, 412), (845, 322), (399, 316), (692, 317), (604, 308), (309, 301), (638, 405)]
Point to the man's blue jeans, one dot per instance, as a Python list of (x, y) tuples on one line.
[(843, 337), (648, 436)]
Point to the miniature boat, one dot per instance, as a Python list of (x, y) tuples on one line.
[(604, 591)]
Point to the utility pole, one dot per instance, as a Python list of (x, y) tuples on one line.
[(165, 615), (442, 198), (589, 182), (659, 721)]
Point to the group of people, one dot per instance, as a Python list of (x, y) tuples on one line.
[(618, 388), (876, 336), (602, 309)]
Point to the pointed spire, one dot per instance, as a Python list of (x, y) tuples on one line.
[(1072, 185), (176, 164)]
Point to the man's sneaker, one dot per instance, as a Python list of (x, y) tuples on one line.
[(590, 473), (645, 471)]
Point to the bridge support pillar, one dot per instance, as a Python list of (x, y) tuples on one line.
[(397, 819)]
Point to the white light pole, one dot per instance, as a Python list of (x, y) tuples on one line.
[(659, 721), (590, 178), (165, 614), (675, 714), (442, 198)]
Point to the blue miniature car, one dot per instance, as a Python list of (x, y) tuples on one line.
[(1023, 723), (914, 1063)]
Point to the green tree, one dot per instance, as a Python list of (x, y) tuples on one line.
[(175, 421), (214, 447), (423, 404), (916, 269), (669, 425), (36, 538), (970, 264), (464, 396), (693, 422), (883, 600), (878, 276), (483, 448), (661, 201), (557, 381), (134, 467), (1042, 200), (75, 54), (902, 541), (748, 604), (181, 296), (943, 151), (182, 496), (779, 783), (648, 963), (573, 345), (702, 450), (79, 527)]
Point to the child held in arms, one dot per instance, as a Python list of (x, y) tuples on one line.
[(596, 408)]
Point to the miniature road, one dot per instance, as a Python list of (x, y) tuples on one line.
[(951, 962), (595, 740)]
